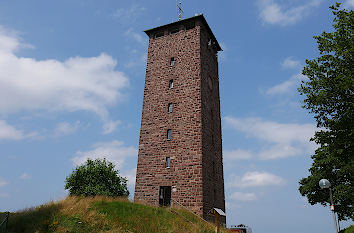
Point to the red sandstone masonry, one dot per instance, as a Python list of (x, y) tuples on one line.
[(196, 168)]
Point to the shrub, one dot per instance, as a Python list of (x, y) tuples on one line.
[(96, 177)]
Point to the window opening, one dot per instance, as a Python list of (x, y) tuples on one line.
[(169, 134), (170, 107), (168, 162), (172, 62), (214, 195), (174, 30), (159, 34), (171, 84)]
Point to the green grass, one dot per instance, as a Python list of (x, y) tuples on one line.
[(142, 218), (32, 220), (101, 214), (348, 230)]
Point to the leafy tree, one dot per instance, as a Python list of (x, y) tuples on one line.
[(329, 96), (96, 177)]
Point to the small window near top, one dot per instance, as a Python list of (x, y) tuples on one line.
[(159, 34), (173, 31), (170, 107), (168, 162), (169, 134), (172, 61), (170, 85)]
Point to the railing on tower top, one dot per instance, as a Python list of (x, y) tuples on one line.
[(3, 224)]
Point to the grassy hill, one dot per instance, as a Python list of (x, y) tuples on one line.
[(102, 214)]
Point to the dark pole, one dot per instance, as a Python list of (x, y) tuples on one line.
[(332, 209)]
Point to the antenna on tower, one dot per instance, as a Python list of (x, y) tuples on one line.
[(179, 6)]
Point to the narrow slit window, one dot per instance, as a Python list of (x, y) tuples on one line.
[(168, 162), (169, 134), (170, 105), (215, 195), (170, 84), (172, 61)]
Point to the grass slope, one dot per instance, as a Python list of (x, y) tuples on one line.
[(102, 214)]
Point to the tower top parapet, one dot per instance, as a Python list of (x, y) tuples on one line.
[(187, 23)]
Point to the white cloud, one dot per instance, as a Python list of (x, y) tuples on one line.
[(113, 151), (238, 154), (25, 176), (65, 128), (3, 182), (131, 176), (129, 14), (287, 86), (348, 4), (136, 36), (239, 196), (8, 132), (273, 13), (254, 179), (76, 84), (290, 63), (110, 126), (279, 140)]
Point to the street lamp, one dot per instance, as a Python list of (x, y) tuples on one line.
[(325, 184)]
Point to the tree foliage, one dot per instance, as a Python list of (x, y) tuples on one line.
[(96, 177), (329, 96)]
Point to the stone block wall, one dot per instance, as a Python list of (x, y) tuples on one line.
[(195, 146)]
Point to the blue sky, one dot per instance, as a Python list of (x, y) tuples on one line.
[(71, 86)]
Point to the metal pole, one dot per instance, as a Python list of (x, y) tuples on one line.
[(332, 209)]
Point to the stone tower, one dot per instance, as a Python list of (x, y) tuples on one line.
[(180, 154)]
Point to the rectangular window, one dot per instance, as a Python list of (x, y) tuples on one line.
[(168, 162), (170, 84), (172, 62), (214, 195), (169, 136), (170, 107)]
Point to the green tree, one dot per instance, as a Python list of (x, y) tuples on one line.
[(96, 177), (329, 96)]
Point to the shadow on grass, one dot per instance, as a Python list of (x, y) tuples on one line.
[(39, 219)]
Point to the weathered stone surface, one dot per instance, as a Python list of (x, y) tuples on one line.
[(195, 149)]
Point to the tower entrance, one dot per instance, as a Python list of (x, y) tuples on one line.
[(165, 196)]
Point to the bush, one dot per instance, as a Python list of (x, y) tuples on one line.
[(96, 177)]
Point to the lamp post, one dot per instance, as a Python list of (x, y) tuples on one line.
[(325, 184)]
